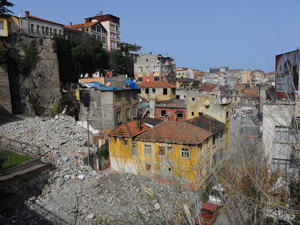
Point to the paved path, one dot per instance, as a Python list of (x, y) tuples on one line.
[(22, 171)]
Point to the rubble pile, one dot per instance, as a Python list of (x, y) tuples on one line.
[(75, 193)]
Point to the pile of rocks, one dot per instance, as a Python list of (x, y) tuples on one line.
[(75, 193)]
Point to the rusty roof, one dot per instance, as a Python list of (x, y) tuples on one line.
[(81, 25), (129, 129), (175, 133), (155, 84), (208, 87), (208, 123)]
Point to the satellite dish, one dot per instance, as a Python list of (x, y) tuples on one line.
[(207, 103), (224, 100), (273, 83), (140, 100), (108, 83)]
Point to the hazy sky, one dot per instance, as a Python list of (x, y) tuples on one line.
[(198, 34)]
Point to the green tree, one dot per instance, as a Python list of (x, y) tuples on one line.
[(3, 6)]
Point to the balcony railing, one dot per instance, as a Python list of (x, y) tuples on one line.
[(41, 33)]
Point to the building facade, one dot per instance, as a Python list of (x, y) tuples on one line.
[(112, 26), (107, 107), (148, 68), (157, 90), (8, 24)]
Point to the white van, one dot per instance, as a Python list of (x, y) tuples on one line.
[(217, 195)]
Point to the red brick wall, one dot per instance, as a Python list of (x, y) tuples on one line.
[(170, 113)]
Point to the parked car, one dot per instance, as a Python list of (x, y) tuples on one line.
[(217, 195), (249, 111), (208, 214), (244, 115)]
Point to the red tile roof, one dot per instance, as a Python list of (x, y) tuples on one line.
[(129, 129), (81, 25), (155, 85), (37, 18), (175, 133), (208, 87), (208, 123), (72, 28)]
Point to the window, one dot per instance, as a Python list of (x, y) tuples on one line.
[(43, 29), (161, 150), (147, 91), (127, 114), (38, 29), (179, 114), (140, 79), (47, 30), (50, 31), (221, 134), (156, 69), (128, 95), (1, 25), (165, 91), (55, 31), (163, 113), (156, 78), (221, 153), (214, 159), (193, 99), (32, 28), (125, 142), (118, 116), (147, 150), (134, 93), (153, 90), (282, 134), (148, 167), (8, 25), (140, 69), (235, 98), (192, 113), (214, 140), (185, 153), (169, 149), (227, 115), (41, 41), (134, 150), (173, 91), (134, 111), (200, 113), (118, 96)]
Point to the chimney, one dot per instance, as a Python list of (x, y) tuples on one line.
[(70, 24), (26, 13), (100, 12)]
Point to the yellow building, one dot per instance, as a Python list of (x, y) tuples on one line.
[(8, 24), (201, 104), (177, 152), (157, 90)]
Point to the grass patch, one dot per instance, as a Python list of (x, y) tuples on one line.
[(9, 159)]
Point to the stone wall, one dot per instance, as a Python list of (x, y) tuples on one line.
[(5, 100), (37, 92)]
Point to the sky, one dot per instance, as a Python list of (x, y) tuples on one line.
[(198, 34)]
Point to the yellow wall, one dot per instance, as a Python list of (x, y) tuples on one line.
[(158, 94), (14, 25), (215, 110), (192, 170)]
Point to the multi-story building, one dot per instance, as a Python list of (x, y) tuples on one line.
[(172, 110), (132, 50), (41, 27), (182, 72), (95, 29), (72, 33), (280, 138), (181, 152), (112, 26), (157, 68), (8, 24), (106, 107), (157, 90)]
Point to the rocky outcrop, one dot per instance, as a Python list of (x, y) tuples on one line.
[(5, 100), (36, 93)]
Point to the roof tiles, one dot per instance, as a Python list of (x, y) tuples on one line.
[(155, 85), (129, 129), (175, 133)]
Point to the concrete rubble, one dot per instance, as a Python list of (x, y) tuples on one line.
[(75, 193)]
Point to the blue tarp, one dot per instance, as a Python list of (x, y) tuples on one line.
[(131, 84), (98, 86)]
